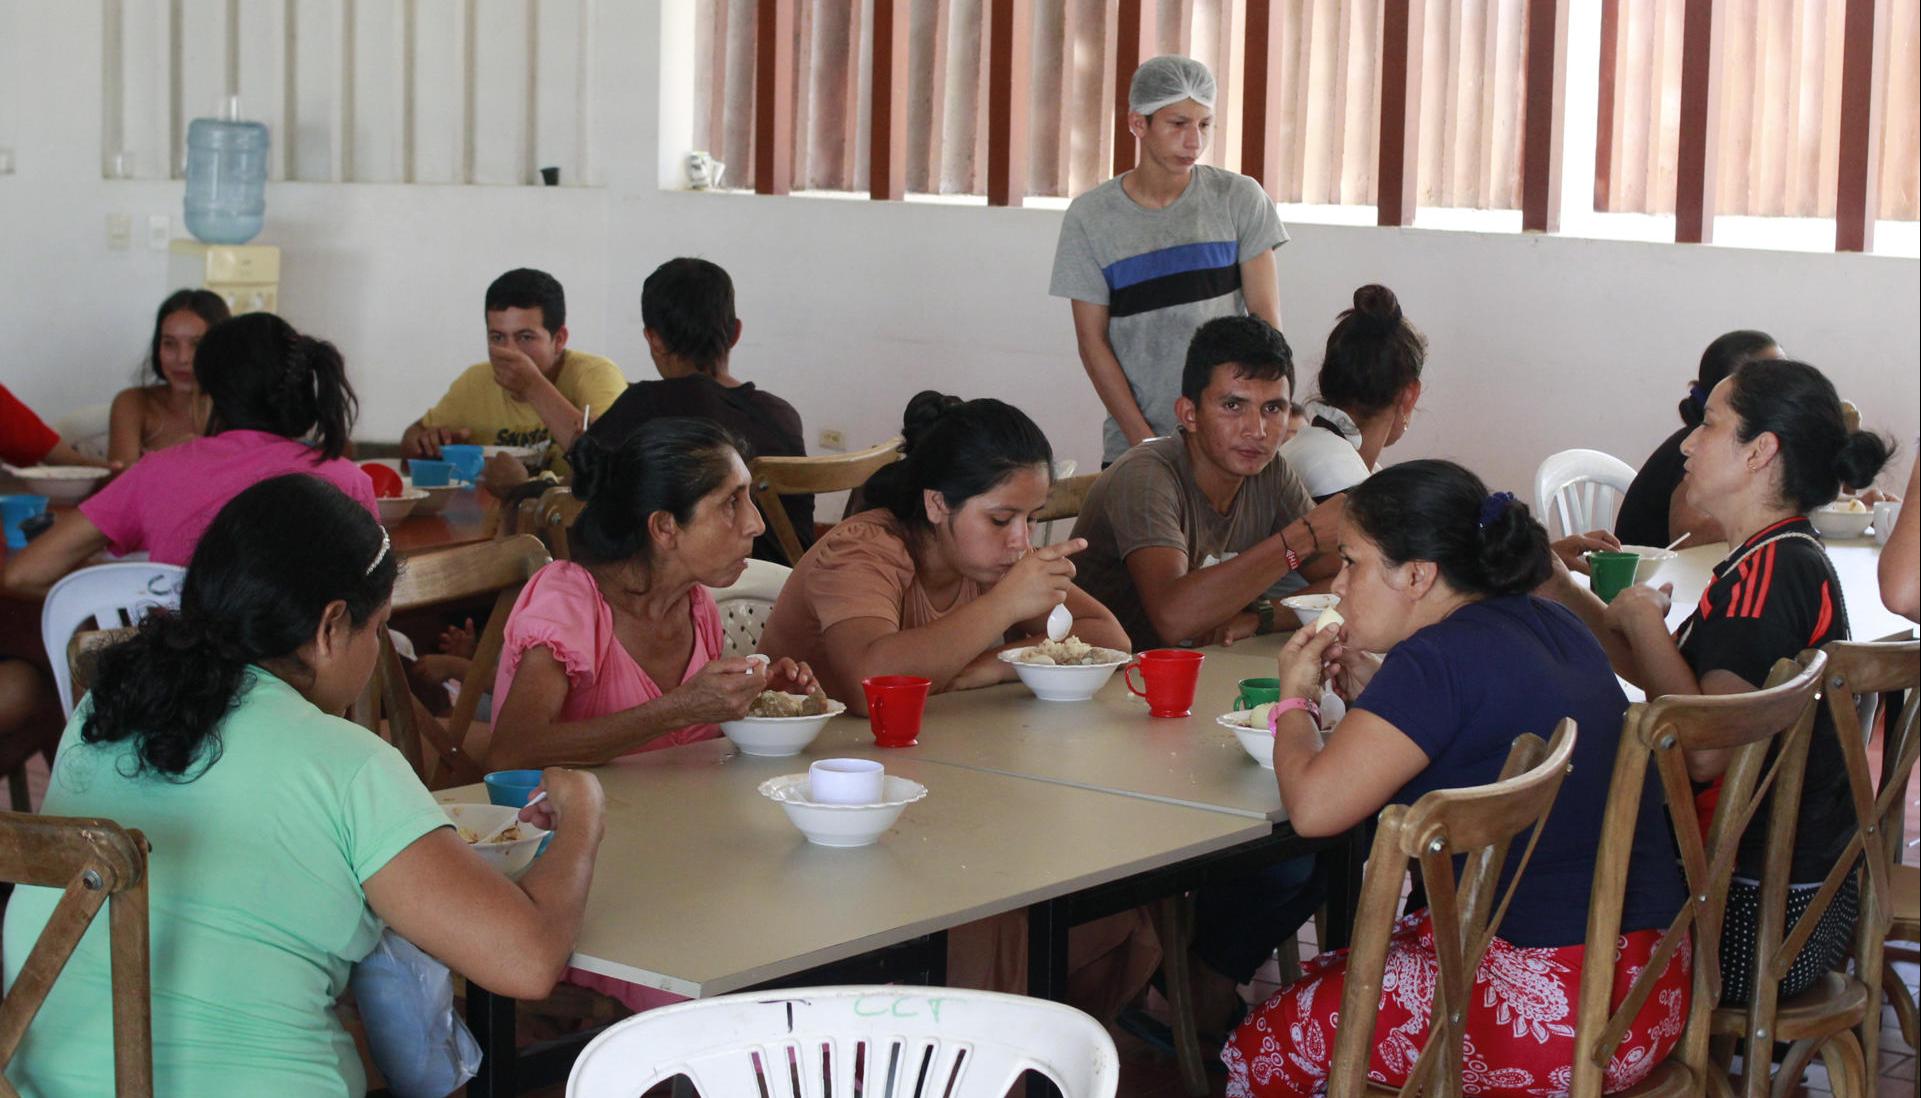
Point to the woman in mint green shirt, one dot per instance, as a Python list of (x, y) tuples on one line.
[(283, 835)]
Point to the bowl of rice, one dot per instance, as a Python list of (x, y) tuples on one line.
[(513, 851), (1064, 670), (779, 724)]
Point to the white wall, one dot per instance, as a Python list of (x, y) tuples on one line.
[(850, 307)]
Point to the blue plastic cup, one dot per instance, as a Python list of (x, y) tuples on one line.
[(511, 787), (467, 459), (15, 510), (430, 474)]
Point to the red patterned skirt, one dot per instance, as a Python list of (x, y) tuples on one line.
[(1520, 1026)]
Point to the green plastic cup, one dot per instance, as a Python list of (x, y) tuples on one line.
[(1609, 574), (1253, 692)]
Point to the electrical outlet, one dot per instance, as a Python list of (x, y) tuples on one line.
[(832, 438), (119, 232), (159, 232)]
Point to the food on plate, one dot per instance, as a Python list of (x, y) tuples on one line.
[(469, 836), (1330, 619), (1849, 505), (774, 703), (1072, 652)]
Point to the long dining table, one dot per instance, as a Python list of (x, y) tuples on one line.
[(1064, 811)]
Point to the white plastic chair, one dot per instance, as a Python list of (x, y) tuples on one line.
[(1581, 489), (105, 596), (889, 1042), (744, 606)]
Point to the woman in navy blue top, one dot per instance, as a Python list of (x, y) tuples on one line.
[(1436, 574), (1771, 447)]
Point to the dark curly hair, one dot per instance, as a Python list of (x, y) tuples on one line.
[(261, 577), (1433, 510), (669, 464)]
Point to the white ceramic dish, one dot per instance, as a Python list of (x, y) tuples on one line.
[(1654, 560), (530, 456), (841, 824), (1052, 682), (395, 508), (512, 857), (1257, 742), (60, 483), (1309, 607), (778, 737), (438, 496), (1833, 522)]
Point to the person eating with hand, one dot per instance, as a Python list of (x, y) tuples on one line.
[(940, 576), (620, 649), (533, 389)]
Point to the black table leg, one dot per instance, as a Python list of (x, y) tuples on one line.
[(1047, 925), (491, 1017), (1343, 863)]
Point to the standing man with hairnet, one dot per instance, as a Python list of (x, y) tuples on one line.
[(1149, 256)]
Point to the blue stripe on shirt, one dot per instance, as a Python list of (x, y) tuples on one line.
[(1179, 259)]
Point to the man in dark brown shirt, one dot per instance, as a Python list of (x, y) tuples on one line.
[(688, 308)]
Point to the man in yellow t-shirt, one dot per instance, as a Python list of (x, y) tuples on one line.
[(533, 389)]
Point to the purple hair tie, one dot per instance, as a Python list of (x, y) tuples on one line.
[(1494, 506), (1699, 396)]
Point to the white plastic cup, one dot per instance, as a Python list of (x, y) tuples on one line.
[(1884, 516), (846, 781)]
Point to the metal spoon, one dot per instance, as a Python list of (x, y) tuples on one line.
[(1059, 623)]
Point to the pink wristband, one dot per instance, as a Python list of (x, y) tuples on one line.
[(1285, 704)]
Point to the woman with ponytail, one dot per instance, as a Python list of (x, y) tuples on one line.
[(280, 404), (940, 574), (1369, 383), (1655, 509), (284, 837), (1437, 574), (1771, 446)]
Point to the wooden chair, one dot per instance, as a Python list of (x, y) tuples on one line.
[(1478, 823), (1064, 501), (1661, 733), (498, 568), (93, 862), (556, 513), (775, 477)]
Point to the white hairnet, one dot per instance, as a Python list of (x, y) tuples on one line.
[(1166, 80)]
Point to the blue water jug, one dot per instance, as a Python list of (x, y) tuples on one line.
[(226, 180)]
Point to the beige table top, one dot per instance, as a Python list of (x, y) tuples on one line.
[(1108, 744), (702, 886)]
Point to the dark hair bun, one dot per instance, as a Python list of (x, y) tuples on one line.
[(1514, 552), (925, 410), (589, 458), (1860, 459), (1376, 307)]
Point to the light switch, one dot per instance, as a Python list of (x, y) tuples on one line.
[(159, 231), (119, 232)]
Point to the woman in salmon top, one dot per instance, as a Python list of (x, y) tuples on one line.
[(619, 650)]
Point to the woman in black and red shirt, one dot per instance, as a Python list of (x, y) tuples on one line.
[(1771, 447)]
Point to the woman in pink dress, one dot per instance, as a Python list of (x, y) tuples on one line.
[(619, 650)]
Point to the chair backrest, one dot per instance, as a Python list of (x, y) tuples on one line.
[(88, 430), (92, 862), (775, 477), (1858, 671), (1479, 823), (745, 605), (105, 596), (1579, 490), (1064, 501), (898, 1042), (499, 568), (83, 654), (557, 511), (1749, 725)]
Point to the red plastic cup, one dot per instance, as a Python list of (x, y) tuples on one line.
[(894, 704), (387, 483), (1168, 675)]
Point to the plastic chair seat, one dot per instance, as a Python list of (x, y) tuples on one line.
[(1835, 1002)]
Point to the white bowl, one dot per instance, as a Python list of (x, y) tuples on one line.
[(395, 508), (1257, 742), (60, 483), (438, 496), (841, 824), (512, 857), (1055, 683), (1832, 522), (778, 737), (530, 456), (1654, 560), (1309, 607)]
